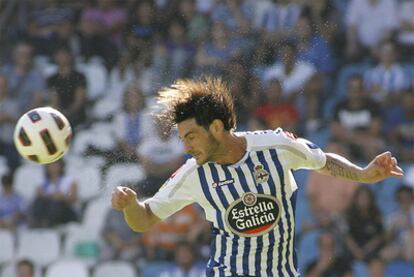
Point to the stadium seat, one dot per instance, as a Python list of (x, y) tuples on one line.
[(154, 269), (40, 246), (88, 137), (94, 216), (67, 269), (360, 269), (385, 195), (105, 107), (10, 271), (111, 269), (399, 268), (27, 178), (308, 249), (81, 245), (96, 77), (7, 246), (119, 173), (89, 182)]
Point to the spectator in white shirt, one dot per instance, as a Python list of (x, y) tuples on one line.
[(387, 80), (369, 22), (293, 74)]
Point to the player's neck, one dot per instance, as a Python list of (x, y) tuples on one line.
[(231, 150)]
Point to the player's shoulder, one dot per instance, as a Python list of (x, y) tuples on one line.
[(268, 138), (186, 171)]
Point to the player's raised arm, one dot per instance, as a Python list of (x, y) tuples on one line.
[(138, 216), (381, 167)]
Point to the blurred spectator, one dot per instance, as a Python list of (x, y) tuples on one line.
[(56, 198), (406, 30), (91, 42), (400, 228), (11, 205), (107, 18), (293, 74), (312, 47), (325, 18), (68, 88), (174, 55), (162, 241), (26, 83), (364, 237), (241, 83), (48, 19), (236, 14), (143, 28), (160, 153), (279, 20), (222, 47), (400, 127), (25, 268), (329, 197), (119, 241), (357, 122), (329, 263), (369, 22), (387, 80), (275, 111), (130, 125), (197, 23), (186, 263), (9, 113)]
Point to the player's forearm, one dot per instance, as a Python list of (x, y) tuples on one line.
[(139, 217), (338, 166)]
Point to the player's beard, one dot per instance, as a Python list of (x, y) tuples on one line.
[(213, 148)]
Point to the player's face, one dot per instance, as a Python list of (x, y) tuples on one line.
[(198, 141)]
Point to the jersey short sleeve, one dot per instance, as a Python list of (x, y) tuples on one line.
[(175, 194), (300, 153)]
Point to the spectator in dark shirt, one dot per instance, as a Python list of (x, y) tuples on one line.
[(357, 122), (68, 88), (329, 264), (365, 231)]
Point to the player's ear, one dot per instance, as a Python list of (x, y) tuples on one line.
[(216, 127)]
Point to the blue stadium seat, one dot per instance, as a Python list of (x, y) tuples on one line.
[(154, 269), (399, 268), (360, 269), (320, 137), (302, 209), (409, 69), (308, 249), (385, 192)]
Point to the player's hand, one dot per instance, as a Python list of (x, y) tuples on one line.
[(381, 167), (123, 197)]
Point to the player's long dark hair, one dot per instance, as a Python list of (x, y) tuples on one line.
[(354, 211), (204, 99)]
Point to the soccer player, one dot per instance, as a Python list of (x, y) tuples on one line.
[(243, 181)]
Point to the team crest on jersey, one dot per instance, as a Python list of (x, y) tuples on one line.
[(260, 174), (253, 214)]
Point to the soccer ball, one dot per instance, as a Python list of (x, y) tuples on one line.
[(42, 135)]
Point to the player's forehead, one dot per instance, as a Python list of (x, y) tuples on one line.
[(188, 126)]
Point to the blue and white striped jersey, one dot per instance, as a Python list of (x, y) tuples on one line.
[(250, 203)]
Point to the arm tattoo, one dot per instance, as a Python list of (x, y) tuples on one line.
[(337, 169)]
